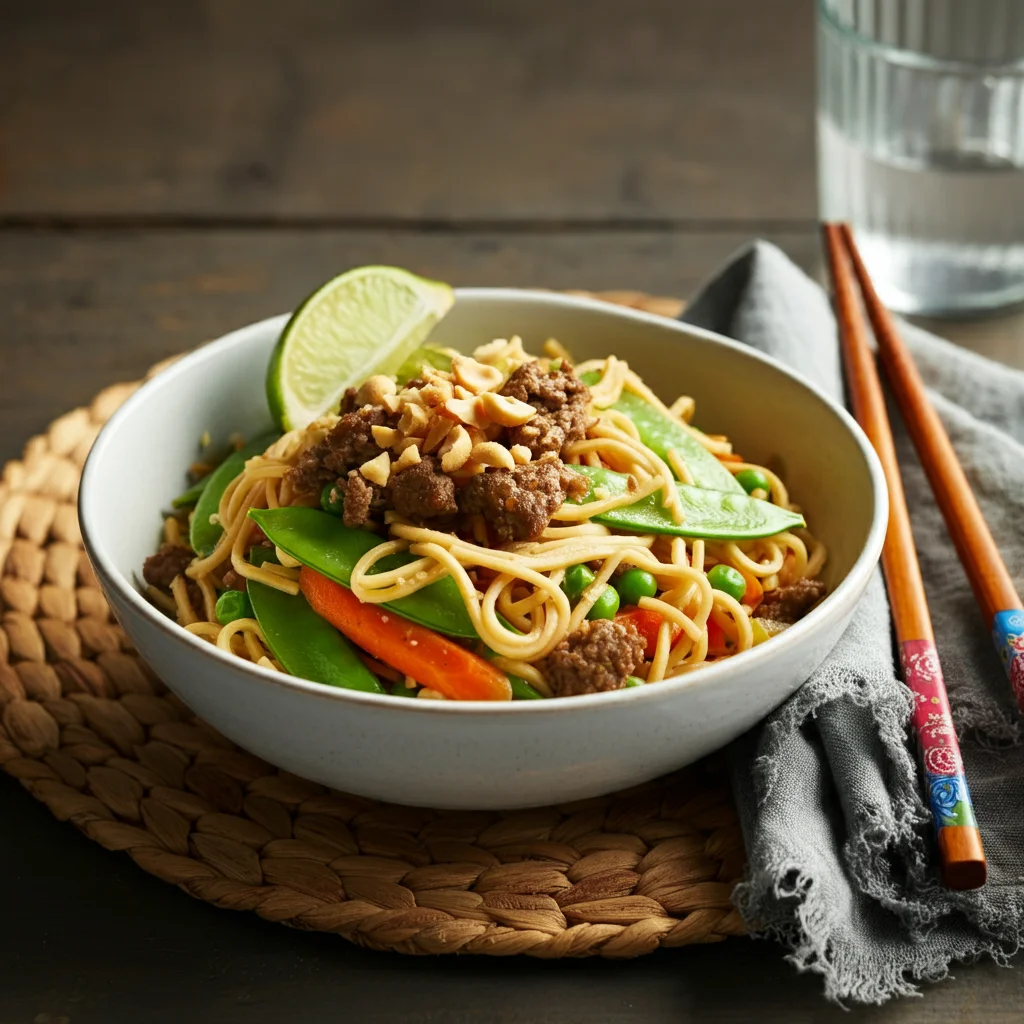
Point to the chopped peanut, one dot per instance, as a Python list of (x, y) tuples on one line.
[(465, 410), (476, 377), (521, 454), (436, 394), (456, 449), (374, 389), (491, 352), (377, 470), (440, 428), (432, 375), (509, 412), (391, 402), (502, 351), (516, 350), (408, 442), (410, 457), (385, 436), (490, 453), (415, 420)]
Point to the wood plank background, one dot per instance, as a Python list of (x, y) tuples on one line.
[(173, 169), (103, 306), (384, 111)]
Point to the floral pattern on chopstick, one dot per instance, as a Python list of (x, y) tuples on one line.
[(945, 785), (1008, 634), (949, 799)]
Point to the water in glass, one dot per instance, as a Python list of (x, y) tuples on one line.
[(921, 146)]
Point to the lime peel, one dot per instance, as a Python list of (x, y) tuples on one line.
[(366, 321)]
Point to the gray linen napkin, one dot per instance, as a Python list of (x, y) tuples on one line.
[(842, 866)]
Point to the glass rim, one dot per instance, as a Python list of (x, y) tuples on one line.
[(913, 58)]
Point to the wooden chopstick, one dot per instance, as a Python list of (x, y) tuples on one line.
[(997, 597), (961, 856)]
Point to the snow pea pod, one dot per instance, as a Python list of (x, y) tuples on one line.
[(425, 355), (192, 495), (661, 434), (204, 535), (327, 545), (713, 515), (522, 690), (308, 646)]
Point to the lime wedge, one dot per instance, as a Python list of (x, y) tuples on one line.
[(367, 321)]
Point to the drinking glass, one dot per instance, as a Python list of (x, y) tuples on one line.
[(921, 146)]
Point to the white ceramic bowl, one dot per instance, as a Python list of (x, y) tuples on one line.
[(480, 755)]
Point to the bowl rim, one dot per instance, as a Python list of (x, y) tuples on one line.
[(834, 605)]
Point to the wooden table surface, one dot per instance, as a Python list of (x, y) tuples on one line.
[(171, 170)]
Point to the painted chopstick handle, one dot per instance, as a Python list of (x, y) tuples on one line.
[(944, 781), (1008, 636)]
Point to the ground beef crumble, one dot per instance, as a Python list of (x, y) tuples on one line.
[(160, 569), (171, 561), (361, 499), (422, 491), (348, 401), (349, 444), (599, 656), (791, 603), (559, 397), (232, 581), (518, 503)]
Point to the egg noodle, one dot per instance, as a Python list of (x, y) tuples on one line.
[(521, 582)]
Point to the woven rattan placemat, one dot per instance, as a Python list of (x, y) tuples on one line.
[(89, 730)]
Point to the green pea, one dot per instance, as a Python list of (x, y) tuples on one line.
[(231, 605), (606, 605), (330, 500), (728, 580), (753, 480), (577, 579), (636, 583), (260, 553), (634, 681)]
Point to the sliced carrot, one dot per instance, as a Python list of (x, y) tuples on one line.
[(431, 659), (716, 639), (646, 623), (754, 593), (729, 457)]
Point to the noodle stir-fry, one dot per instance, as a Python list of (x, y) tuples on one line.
[(501, 525)]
